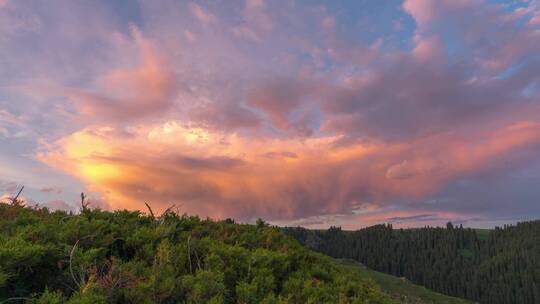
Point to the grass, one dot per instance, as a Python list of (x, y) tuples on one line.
[(401, 289)]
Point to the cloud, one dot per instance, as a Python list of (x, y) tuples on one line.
[(215, 163), (279, 99), (466, 24), (9, 186), (286, 112), (51, 190), (202, 15), (398, 219), (246, 33), (425, 11), (55, 205), (228, 116), (9, 119), (391, 104), (130, 93), (416, 218), (223, 175), (285, 154), (256, 13), (7, 198)]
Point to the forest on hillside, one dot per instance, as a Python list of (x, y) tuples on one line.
[(129, 257), (497, 266)]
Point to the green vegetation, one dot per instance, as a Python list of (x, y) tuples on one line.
[(402, 289), (127, 257), (497, 266)]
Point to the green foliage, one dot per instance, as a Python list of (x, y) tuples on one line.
[(204, 287), (48, 297), (402, 289), (127, 257), (88, 297), (3, 278), (498, 266)]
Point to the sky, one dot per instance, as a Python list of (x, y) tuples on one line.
[(311, 113)]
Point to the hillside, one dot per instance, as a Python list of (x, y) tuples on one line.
[(497, 266), (129, 257), (401, 289)]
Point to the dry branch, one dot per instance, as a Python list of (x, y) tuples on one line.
[(150, 210), (84, 202), (71, 264)]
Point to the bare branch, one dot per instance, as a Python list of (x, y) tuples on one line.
[(71, 264), (150, 210), (168, 209), (15, 200), (84, 202), (18, 193), (177, 211)]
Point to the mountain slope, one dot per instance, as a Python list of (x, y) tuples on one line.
[(128, 257), (497, 266), (401, 289)]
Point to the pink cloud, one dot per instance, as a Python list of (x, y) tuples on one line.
[(256, 13), (329, 23), (55, 205), (9, 186), (202, 15), (280, 111), (425, 11), (399, 131), (278, 99), (429, 49), (8, 118), (535, 20), (474, 20), (245, 32), (7, 198), (130, 93)]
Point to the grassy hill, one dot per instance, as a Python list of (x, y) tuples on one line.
[(129, 257), (401, 289)]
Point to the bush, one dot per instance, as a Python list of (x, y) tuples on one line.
[(127, 257)]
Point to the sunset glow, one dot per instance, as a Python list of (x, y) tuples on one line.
[(302, 113)]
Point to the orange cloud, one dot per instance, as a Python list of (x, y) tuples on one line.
[(224, 174)]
